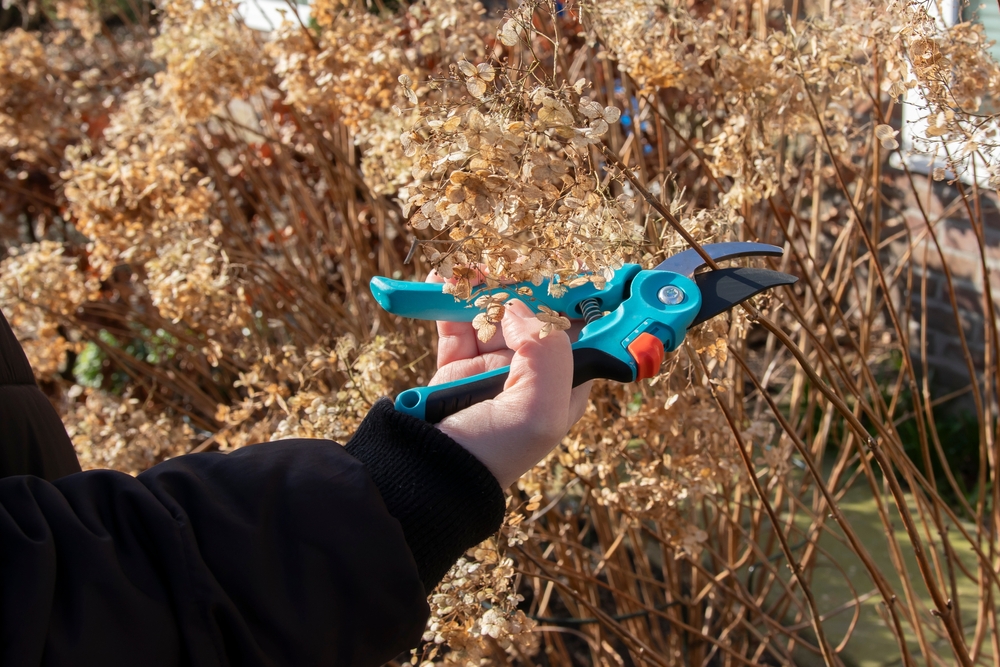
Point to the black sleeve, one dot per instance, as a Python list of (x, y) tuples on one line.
[(277, 554), (33, 440), (445, 499)]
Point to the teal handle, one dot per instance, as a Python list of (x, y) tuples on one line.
[(602, 351), (427, 301), (422, 301), (643, 312)]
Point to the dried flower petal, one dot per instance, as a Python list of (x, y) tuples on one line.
[(485, 72), (883, 132), (552, 321), (476, 87), (598, 127), (467, 68), (510, 33), (485, 329)]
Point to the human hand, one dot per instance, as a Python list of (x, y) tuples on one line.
[(538, 405)]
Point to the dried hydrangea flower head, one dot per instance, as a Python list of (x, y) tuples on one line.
[(354, 67), (505, 180), (34, 91), (41, 287), (210, 58)]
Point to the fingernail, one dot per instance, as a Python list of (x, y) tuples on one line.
[(515, 305)]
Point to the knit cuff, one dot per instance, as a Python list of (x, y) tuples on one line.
[(445, 499)]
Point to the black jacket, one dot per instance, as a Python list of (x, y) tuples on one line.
[(298, 552)]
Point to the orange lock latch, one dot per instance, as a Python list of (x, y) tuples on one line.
[(647, 350)]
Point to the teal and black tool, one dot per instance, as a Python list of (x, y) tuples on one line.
[(638, 316)]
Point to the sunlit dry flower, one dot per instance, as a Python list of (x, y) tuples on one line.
[(406, 85), (485, 323), (83, 15), (476, 77), (210, 58), (887, 136), (119, 432), (41, 285), (511, 33), (482, 178), (552, 321)]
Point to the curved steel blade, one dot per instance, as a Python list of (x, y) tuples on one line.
[(724, 288), (689, 261)]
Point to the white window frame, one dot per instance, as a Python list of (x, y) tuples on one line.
[(266, 15), (922, 156)]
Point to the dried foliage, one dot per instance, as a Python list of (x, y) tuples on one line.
[(208, 58), (191, 211)]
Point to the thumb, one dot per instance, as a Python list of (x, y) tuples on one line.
[(541, 370)]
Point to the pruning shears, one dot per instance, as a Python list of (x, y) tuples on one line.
[(637, 316)]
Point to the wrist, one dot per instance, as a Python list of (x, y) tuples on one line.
[(444, 498)]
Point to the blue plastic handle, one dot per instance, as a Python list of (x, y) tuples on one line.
[(427, 301), (600, 352), (644, 312)]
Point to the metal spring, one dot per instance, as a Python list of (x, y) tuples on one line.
[(591, 309)]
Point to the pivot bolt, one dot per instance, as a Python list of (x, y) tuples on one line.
[(670, 295)]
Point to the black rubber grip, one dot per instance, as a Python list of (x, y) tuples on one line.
[(590, 363), (448, 401)]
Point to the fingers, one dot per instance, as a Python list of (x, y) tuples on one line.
[(522, 328), (536, 408), (541, 371), (545, 366), (540, 382), (463, 368), (458, 340)]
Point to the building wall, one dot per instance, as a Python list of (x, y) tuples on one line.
[(965, 258)]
